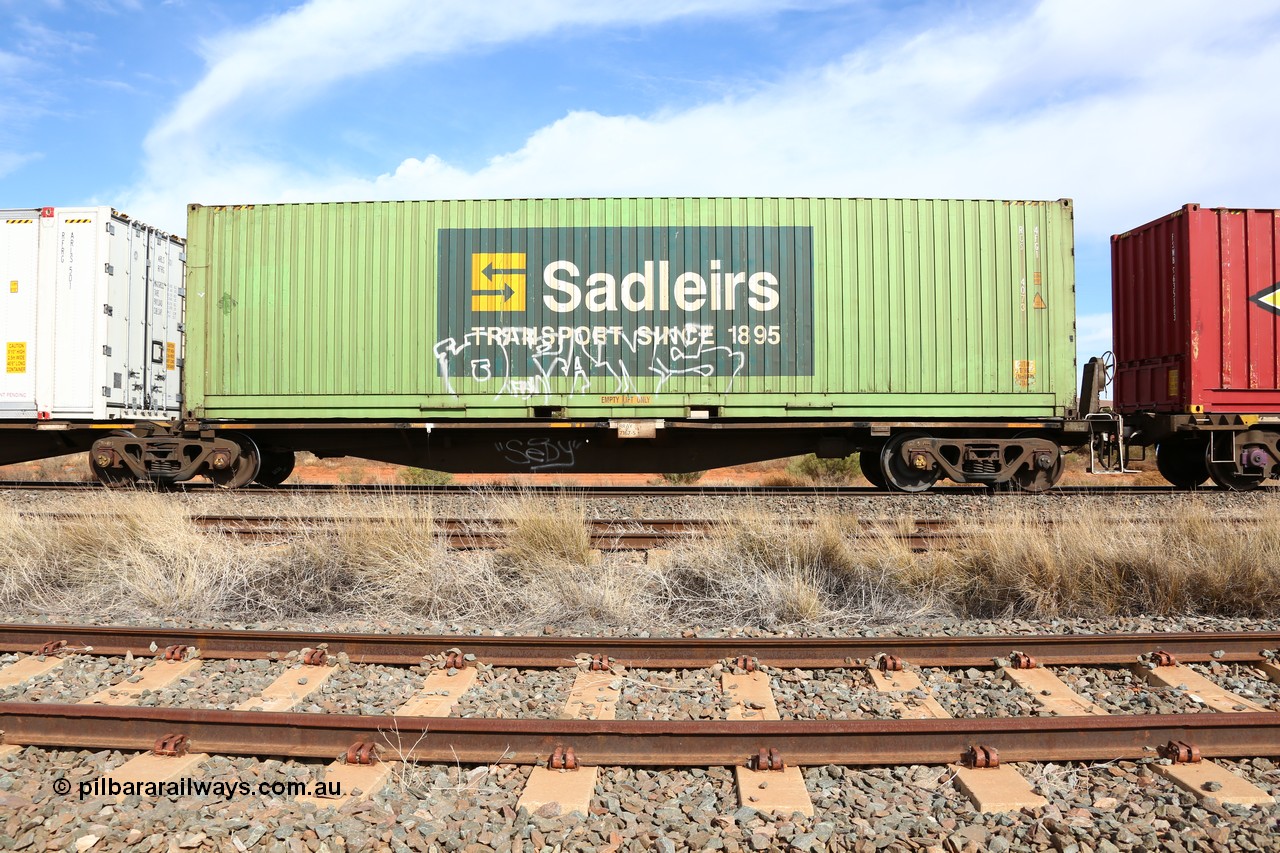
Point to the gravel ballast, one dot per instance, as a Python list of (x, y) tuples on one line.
[(1113, 806), (509, 693)]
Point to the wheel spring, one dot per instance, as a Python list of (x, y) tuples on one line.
[(982, 466)]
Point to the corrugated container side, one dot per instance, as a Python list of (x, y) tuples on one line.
[(1195, 304), (632, 307)]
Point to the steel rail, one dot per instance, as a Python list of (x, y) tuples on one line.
[(614, 491), (491, 533), (610, 535), (639, 743), (660, 652)]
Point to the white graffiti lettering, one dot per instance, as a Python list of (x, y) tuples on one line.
[(582, 353), (539, 454)]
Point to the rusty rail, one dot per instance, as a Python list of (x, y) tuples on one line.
[(613, 491), (660, 652), (921, 534), (491, 533), (638, 743)]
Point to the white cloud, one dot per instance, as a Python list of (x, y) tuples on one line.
[(1093, 335), (1132, 109), (11, 160), (300, 52)]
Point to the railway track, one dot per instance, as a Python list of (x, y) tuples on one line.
[(488, 533), (669, 652), (586, 732), (640, 534)]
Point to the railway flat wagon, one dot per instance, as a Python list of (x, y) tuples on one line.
[(91, 323), (1196, 311), (630, 334)]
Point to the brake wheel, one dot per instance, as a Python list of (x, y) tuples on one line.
[(277, 465), (1033, 478), (900, 476), (869, 462), (243, 469), (113, 477), (1224, 474), (1181, 461)]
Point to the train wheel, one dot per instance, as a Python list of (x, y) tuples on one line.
[(898, 475), (1181, 461), (1225, 474), (277, 465), (869, 462), (1034, 478), (113, 478), (243, 469)]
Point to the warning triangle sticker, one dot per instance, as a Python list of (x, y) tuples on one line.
[(1038, 302)]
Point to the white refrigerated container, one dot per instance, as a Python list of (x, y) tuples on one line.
[(91, 312)]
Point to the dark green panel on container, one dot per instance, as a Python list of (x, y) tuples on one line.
[(862, 308)]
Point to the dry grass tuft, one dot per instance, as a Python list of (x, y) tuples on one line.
[(1090, 564), (546, 529), (775, 573), (148, 558)]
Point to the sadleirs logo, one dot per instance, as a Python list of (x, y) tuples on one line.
[(1268, 298), (498, 281), (520, 307)]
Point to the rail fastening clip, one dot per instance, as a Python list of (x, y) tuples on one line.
[(363, 752), (563, 759), (767, 759), (1180, 752), (889, 663), (982, 757), (52, 647), (177, 652), (171, 745), (1019, 660)]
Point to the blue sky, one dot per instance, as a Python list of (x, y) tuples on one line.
[(1130, 108)]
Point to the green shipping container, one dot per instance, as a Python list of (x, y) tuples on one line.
[(807, 308)]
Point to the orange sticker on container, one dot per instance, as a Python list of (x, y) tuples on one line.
[(15, 357), (170, 355), (1173, 382), (1038, 302)]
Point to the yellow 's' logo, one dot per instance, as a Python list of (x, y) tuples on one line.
[(498, 281)]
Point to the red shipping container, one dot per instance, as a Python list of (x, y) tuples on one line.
[(1195, 302)]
